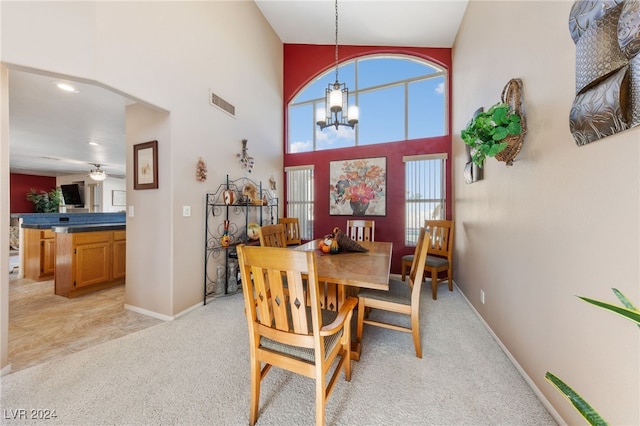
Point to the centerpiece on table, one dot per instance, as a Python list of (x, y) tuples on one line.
[(337, 242)]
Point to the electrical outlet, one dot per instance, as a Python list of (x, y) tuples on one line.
[(482, 296)]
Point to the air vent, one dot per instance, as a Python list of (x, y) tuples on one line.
[(217, 101)]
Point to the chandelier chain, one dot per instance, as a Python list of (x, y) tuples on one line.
[(336, 41)]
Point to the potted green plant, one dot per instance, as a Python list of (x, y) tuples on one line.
[(487, 132), (45, 202)]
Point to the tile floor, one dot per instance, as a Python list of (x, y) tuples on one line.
[(43, 326)]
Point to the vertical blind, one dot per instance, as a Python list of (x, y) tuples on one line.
[(425, 192), (300, 198)]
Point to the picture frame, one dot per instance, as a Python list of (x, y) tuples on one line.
[(118, 198), (358, 187), (145, 165)]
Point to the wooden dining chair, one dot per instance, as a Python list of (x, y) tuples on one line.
[(273, 235), (292, 231), (440, 258), (361, 230), (402, 298), (283, 331)]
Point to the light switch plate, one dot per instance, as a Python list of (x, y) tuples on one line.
[(186, 211), (130, 211)]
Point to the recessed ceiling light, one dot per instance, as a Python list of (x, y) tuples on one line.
[(93, 143), (67, 87)]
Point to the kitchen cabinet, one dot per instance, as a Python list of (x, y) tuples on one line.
[(39, 254), (89, 261)]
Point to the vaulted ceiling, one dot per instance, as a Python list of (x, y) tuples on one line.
[(50, 129)]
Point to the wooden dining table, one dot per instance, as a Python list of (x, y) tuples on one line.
[(368, 269)]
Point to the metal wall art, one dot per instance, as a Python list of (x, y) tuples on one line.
[(607, 37)]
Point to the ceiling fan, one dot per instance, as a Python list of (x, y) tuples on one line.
[(97, 174)]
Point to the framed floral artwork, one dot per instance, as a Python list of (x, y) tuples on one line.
[(145, 165), (358, 187)]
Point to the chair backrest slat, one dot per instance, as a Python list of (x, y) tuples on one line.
[(417, 268), (415, 272), (441, 241), (361, 230), (273, 235), (292, 230)]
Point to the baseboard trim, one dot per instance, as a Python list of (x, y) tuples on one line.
[(148, 313), (161, 316), (6, 370), (556, 416)]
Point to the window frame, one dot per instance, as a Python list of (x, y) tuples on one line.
[(355, 92)]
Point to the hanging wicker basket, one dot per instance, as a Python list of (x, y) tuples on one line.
[(512, 95)]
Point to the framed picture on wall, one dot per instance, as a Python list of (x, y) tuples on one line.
[(358, 187), (145, 165), (118, 198)]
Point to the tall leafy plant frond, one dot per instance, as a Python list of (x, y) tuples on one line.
[(627, 310), (583, 407)]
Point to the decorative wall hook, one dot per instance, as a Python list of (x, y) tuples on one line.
[(245, 160)]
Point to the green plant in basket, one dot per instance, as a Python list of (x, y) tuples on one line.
[(487, 131)]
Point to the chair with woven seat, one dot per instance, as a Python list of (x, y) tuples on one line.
[(440, 257), (273, 235), (402, 298), (283, 331), (361, 230), (292, 231)]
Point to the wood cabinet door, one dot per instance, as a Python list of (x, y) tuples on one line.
[(93, 264), (119, 259), (48, 261)]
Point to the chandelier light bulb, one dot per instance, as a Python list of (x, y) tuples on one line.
[(335, 99), (321, 118), (353, 114)]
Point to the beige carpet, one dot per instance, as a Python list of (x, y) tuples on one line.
[(195, 371)]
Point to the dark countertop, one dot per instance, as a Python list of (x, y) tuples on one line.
[(37, 225), (92, 227)]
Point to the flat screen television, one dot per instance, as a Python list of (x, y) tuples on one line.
[(73, 194)]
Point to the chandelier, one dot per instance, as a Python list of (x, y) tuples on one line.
[(336, 101), (97, 173)]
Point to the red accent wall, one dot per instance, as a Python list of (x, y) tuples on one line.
[(302, 63), (20, 184)]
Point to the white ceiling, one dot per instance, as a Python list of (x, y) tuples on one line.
[(50, 129), (417, 23)]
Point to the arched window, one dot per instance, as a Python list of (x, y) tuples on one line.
[(400, 97)]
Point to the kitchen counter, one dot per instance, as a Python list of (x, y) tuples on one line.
[(71, 229), (49, 220), (39, 231)]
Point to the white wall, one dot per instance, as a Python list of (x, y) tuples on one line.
[(107, 187), (562, 221), (168, 55), (4, 214)]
